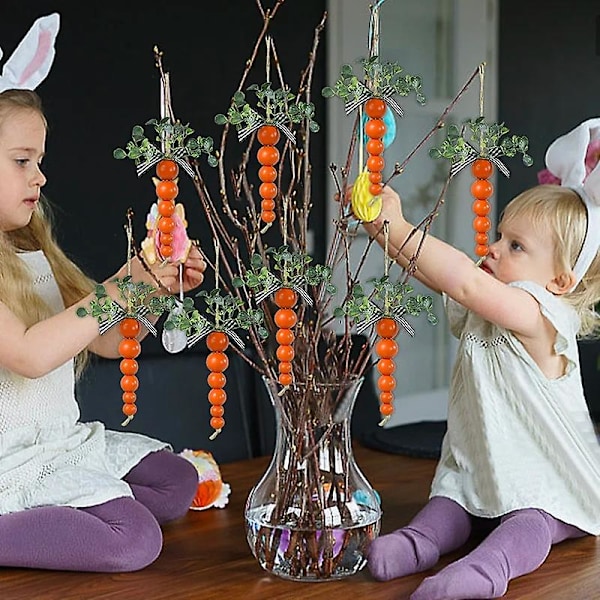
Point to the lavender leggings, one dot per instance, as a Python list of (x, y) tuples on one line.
[(518, 545), (119, 535)]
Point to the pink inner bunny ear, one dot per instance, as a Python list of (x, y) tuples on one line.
[(30, 63), (44, 48)]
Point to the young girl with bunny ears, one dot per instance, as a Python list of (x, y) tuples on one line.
[(520, 451), (73, 496)]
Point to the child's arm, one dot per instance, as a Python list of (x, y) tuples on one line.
[(446, 269), (41, 348)]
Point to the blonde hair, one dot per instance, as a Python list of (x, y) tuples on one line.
[(560, 210), (16, 287)]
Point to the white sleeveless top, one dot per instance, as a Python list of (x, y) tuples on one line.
[(47, 457), (517, 439)]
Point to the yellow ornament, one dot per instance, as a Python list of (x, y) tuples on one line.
[(365, 206)]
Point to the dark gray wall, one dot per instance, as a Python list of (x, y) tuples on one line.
[(104, 81), (549, 75)]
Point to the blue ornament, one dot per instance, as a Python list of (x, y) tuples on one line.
[(364, 498), (390, 128)]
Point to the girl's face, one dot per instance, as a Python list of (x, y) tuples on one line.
[(521, 253), (22, 147)]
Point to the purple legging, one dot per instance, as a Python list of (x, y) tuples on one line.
[(518, 545), (120, 535)]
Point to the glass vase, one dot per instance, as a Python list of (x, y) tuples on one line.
[(313, 513)]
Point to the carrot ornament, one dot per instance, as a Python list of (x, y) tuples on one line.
[(386, 348), (382, 81), (268, 157), (109, 313), (285, 318), (481, 190), (129, 350), (278, 111), (488, 142), (217, 363), (375, 130)]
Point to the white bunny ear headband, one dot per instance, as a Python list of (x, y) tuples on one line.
[(571, 159), (30, 63)]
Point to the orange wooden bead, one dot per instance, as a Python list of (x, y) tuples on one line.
[(375, 189), (286, 297), (166, 251), (387, 327), (386, 383), (129, 327), (217, 362), (166, 225), (375, 177), (386, 348), (375, 147), (165, 239), (375, 128), (217, 410), (129, 410), (166, 208), (129, 383), (285, 318), (481, 250), (268, 155), (129, 348), (129, 366), (386, 397), (375, 108), (129, 397), (482, 168), (482, 189), (386, 366), (167, 190), (386, 409), (217, 423), (285, 337), (267, 173), (481, 207), (217, 341), (268, 135), (482, 224), (217, 396), (285, 366), (167, 169), (267, 190), (285, 353), (216, 380), (375, 163), (285, 379)]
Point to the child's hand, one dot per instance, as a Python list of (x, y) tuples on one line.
[(193, 269), (391, 209), (167, 275)]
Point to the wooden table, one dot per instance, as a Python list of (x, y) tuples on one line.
[(206, 555)]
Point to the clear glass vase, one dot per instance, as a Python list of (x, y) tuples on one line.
[(313, 513)]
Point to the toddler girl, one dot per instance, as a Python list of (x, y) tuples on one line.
[(520, 449)]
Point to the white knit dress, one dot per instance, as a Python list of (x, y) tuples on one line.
[(517, 439), (47, 457)]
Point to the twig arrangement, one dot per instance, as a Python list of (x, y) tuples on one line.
[(285, 302)]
